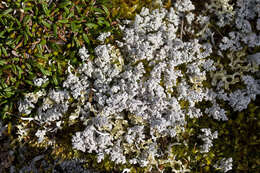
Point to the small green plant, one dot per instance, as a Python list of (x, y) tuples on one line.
[(39, 38)]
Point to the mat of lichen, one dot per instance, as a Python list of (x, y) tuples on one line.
[(36, 33)]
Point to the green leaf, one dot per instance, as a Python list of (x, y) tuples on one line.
[(39, 48), (3, 62), (71, 14), (9, 42), (92, 25), (28, 31), (64, 4), (26, 38), (43, 42), (55, 81), (73, 27), (2, 34), (20, 71), (36, 11), (13, 80), (45, 84), (98, 10), (101, 18), (26, 19), (107, 23), (10, 16), (85, 37), (4, 85), (67, 11), (18, 22), (100, 21), (15, 59), (29, 82), (106, 10), (55, 31), (78, 9), (45, 72), (27, 9), (7, 11), (18, 39), (63, 21), (45, 9), (76, 41), (56, 11), (4, 51), (9, 66), (14, 69), (3, 102), (29, 67), (46, 24)]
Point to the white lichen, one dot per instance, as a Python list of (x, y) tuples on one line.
[(224, 164), (40, 81), (207, 137), (102, 37)]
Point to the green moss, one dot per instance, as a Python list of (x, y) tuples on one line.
[(184, 104), (129, 8)]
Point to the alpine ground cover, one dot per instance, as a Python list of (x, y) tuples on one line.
[(192, 132)]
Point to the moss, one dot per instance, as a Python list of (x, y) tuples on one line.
[(129, 8), (184, 104)]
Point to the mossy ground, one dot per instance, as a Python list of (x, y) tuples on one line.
[(38, 33)]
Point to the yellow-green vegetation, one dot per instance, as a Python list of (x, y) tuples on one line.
[(128, 8)]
